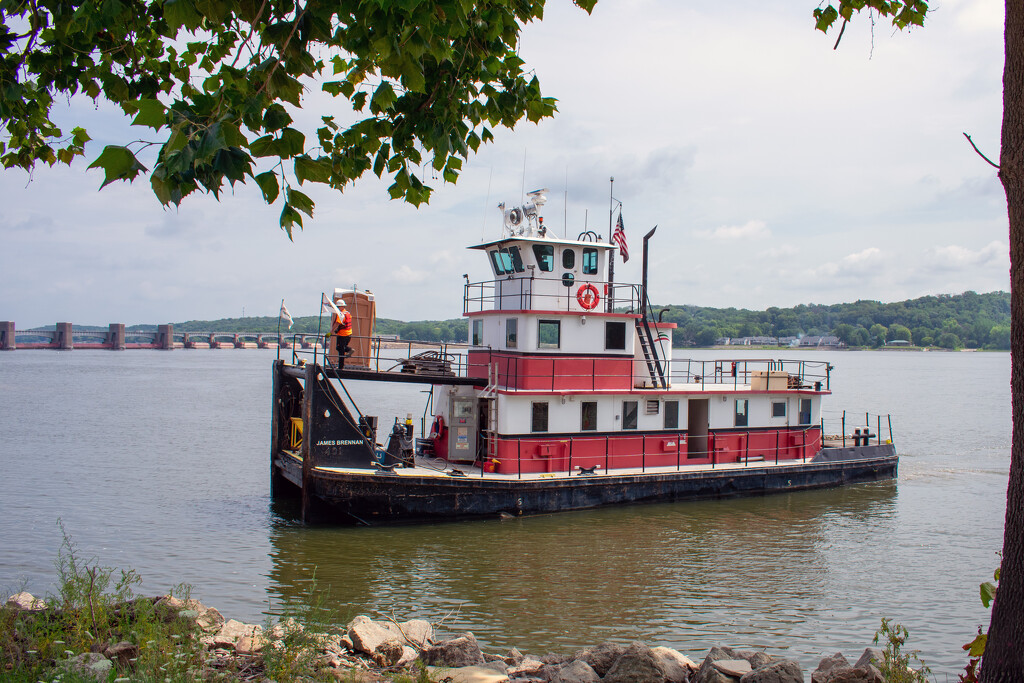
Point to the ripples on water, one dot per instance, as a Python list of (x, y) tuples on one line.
[(159, 461)]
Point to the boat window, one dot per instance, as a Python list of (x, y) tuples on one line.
[(478, 333), (778, 409), (517, 259), (545, 254), (629, 413), (549, 334), (805, 411), (511, 332), (506, 261), (568, 279), (589, 261), (652, 406), (588, 416), (500, 262), (540, 417), (741, 412), (615, 336), (671, 414), (568, 259)]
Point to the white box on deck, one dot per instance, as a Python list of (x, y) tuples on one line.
[(773, 380)]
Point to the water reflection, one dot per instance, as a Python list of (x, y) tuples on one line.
[(689, 575)]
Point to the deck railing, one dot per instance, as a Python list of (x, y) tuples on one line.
[(530, 293), (585, 374)]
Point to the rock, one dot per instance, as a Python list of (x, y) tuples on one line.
[(707, 673), (677, 666), (850, 674), (123, 652), (347, 643), (250, 645), (388, 653), (367, 635), (872, 655), (756, 658), (210, 620), (456, 652), (733, 667), (601, 657), (466, 674), (827, 664), (498, 665), (526, 668), (409, 655), (513, 657), (556, 660), (89, 665), (637, 664), (25, 601), (781, 671), (232, 632), (576, 671)]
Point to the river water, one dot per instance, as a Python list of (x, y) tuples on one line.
[(159, 461)]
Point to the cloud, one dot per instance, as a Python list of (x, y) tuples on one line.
[(955, 257), (750, 230), (862, 264), (407, 275)]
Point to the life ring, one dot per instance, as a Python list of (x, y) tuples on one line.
[(588, 297)]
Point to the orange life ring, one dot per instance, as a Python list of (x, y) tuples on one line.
[(588, 297)]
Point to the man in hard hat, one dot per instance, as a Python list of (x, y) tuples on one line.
[(341, 329)]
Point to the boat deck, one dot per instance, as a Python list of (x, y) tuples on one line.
[(442, 469)]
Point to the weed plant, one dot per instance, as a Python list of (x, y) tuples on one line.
[(896, 665), (93, 610)]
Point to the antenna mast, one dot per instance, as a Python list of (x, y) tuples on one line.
[(610, 299)]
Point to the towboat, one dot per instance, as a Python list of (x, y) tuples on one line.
[(566, 397)]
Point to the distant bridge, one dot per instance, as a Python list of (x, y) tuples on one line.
[(65, 337)]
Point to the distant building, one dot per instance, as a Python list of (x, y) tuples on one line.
[(811, 340)]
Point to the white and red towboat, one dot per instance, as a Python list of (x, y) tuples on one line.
[(567, 398)]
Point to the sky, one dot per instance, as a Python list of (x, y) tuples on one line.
[(779, 172)]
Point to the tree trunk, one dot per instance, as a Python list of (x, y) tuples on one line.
[(1004, 653)]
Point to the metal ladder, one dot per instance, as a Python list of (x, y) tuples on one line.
[(489, 393), (654, 366)]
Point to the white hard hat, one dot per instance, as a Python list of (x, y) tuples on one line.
[(341, 302)]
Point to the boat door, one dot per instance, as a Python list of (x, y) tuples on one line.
[(463, 429), (697, 428)]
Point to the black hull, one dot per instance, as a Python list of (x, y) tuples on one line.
[(349, 497)]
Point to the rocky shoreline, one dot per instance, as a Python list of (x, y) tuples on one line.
[(374, 651)]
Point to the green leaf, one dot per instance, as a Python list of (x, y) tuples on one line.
[(988, 593), (384, 98), (269, 186), (118, 163), (317, 170), (152, 113), (299, 201), (289, 218), (180, 13), (976, 648), (291, 143)]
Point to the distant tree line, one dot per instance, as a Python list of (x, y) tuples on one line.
[(967, 320), (951, 321)]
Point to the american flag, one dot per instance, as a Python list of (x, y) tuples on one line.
[(619, 237)]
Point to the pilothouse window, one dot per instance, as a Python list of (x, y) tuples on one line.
[(545, 254), (568, 258), (506, 261), (589, 261)]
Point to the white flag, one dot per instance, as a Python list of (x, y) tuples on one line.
[(328, 303), (285, 315)]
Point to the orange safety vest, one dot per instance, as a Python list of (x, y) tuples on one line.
[(343, 325)]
